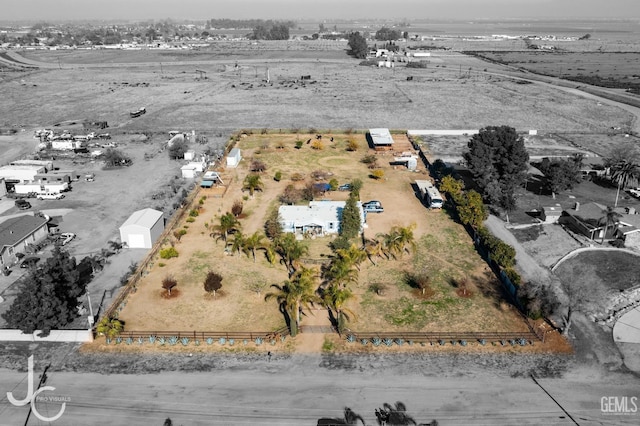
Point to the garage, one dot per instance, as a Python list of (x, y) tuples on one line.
[(142, 228)]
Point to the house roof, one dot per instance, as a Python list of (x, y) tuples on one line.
[(588, 213), (381, 136), (145, 218), (316, 213), (16, 229)]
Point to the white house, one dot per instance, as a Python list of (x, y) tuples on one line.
[(234, 157), (142, 228), (318, 218)]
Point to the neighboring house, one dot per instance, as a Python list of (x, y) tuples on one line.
[(18, 233), (551, 214), (588, 220), (381, 139), (629, 230), (142, 228), (318, 218)]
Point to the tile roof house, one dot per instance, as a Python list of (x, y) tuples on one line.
[(18, 233)]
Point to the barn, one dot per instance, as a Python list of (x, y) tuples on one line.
[(142, 228), (234, 157)]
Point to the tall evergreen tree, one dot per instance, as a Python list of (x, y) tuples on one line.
[(350, 222), (358, 45), (498, 160), (48, 296)]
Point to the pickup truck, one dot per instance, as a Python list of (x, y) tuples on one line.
[(50, 196)]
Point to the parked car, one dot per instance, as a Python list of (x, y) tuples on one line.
[(50, 196), (372, 203), (29, 261), (66, 238), (345, 187), (23, 204), (373, 209)]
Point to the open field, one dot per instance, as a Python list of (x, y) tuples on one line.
[(444, 251), (619, 67), (341, 94)]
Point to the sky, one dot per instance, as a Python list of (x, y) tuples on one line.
[(51, 10)]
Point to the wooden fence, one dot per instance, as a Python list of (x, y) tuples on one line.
[(204, 335)]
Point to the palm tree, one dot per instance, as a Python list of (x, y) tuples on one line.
[(625, 172), (353, 255), (374, 248), (291, 251), (404, 235), (109, 327), (252, 183), (238, 243), (610, 218), (293, 294), (340, 272), (228, 223), (390, 244), (334, 298), (253, 242)]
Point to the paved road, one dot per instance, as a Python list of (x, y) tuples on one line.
[(279, 393)]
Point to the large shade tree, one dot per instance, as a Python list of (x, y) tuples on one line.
[(48, 296), (498, 161)]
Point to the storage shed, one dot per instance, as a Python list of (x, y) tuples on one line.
[(234, 157), (188, 171), (142, 228)]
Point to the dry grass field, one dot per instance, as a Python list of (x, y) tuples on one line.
[(453, 92), (444, 251)]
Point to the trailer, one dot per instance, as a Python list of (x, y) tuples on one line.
[(430, 194), (138, 113)]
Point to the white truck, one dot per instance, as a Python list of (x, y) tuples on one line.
[(430, 194)]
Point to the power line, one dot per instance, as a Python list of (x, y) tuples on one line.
[(554, 400)]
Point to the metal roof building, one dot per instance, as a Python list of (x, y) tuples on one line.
[(142, 228)]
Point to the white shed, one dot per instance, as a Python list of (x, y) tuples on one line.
[(190, 155), (142, 228), (188, 171), (234, 157)]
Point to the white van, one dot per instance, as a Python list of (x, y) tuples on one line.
[(50, 196)]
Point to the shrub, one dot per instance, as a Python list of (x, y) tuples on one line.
[(168, 253), (369, 159), (213, 283), (291, 195), (193, 213), (297, 177), (169, 283), (299, 144), (352, 145), (178, 233), (317, 145), (278, 176), (513, 275), (334, 184), (257, 166), (237, 207), (377, 174), (340, 243), (190, 219)]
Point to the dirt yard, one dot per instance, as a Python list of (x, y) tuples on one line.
[(444, 251)]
